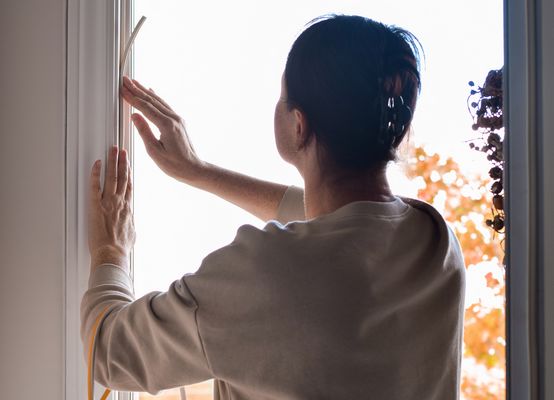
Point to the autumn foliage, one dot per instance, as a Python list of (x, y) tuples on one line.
[(465, 203)]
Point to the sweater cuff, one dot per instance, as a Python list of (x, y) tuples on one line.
[(106, 274)]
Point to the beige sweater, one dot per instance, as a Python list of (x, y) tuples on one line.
[(363, 303)]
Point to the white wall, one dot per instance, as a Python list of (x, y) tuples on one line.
[(32, 87)]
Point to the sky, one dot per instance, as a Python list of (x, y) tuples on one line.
[(219, 65)]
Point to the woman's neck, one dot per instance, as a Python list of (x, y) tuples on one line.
[(326, 192)]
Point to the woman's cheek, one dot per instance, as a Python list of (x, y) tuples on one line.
[(282, 140)]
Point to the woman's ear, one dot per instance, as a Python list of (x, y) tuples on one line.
[(302, 129)]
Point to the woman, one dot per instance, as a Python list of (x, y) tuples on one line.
[(348, 292)]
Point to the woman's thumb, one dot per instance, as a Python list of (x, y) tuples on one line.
[(145, 132)]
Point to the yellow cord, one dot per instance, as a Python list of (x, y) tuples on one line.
[(90, 358), (106, 394)]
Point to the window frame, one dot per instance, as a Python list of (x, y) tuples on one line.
[(93, 35), (94, 31), (530, 215)]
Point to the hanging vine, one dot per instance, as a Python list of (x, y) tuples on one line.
[(485, 106)]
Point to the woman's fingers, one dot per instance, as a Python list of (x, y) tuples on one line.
[(160, 119), (122, 173), (150, 141), (117, 175), (110, 185), (95, 190), (129, 188), (154, 95), (143, 94)]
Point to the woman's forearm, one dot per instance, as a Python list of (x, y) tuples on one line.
[(258, 197)]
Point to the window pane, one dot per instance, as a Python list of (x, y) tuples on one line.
[(219, 64)]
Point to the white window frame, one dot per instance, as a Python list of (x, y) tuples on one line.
[(94, 31)]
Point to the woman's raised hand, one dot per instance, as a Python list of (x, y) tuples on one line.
[(173, 152)]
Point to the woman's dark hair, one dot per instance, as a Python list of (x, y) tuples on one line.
[(340, 73)]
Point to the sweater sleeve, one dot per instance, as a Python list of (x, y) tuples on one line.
[(148, 344), (291, 207)]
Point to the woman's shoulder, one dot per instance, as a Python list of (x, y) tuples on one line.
[(248, 245), (445, 232), (423, 207), (429, 209)]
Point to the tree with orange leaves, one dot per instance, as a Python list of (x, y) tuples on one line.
[(465, 201)]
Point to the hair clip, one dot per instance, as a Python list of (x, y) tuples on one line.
[(398, 115)]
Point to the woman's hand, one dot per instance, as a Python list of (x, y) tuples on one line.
[(111, 229), (173, 152)]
